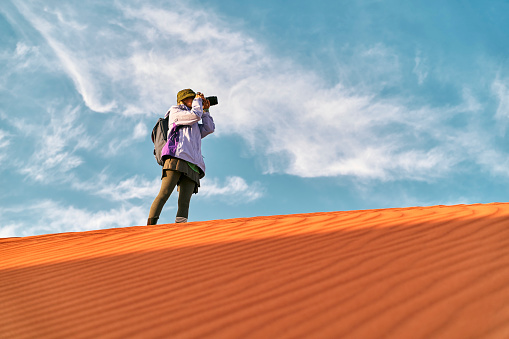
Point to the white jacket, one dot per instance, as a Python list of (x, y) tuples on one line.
[(185, 133)]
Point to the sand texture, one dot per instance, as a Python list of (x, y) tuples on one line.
[(423, 272)]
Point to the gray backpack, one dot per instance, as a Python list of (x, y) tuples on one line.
[(159, 138)]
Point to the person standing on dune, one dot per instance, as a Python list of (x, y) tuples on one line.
[(183, 161)]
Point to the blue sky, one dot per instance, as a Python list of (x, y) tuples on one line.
[(324, 106)]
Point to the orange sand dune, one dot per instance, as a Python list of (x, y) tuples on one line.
[(423, 272)]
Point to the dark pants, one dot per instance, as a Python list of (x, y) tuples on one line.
[(168, 183)]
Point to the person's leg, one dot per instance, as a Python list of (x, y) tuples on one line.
[(186, 190), (168, 183)]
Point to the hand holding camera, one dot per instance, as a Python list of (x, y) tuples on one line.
[(206, 104), (208, 101)]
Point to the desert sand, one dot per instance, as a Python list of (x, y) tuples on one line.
[(422, 272)]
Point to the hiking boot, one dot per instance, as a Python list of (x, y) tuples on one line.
[(152, 221)]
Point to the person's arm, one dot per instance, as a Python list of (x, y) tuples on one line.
[(207, 126), (185, 117)]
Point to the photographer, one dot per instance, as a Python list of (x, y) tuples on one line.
[(183, 161)]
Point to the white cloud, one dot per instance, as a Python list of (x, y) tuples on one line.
[(105, 186), (292, 119), (235, 190), (49, 216), (132, 188), (22, 49), (14, 62), (22, 57), (54, 144), (420, 68), (53, 217), (4, 139), (501, 90), (9, 230), (51, 25), (71, 24), (140, 131)]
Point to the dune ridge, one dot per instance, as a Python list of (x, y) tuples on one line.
[(420, 272)]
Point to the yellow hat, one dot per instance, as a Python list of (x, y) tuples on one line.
[(185, 93)]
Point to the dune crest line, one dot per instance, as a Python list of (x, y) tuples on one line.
[(420, 272)]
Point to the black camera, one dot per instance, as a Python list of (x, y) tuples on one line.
[(212, 100)]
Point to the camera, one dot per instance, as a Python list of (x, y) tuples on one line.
[(212, 100)]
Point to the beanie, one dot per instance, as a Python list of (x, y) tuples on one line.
[(185, 93)]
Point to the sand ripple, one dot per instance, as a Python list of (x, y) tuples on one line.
[(423, 272)]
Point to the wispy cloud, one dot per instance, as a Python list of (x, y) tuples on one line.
[(12, 62), (4, 142), (9, 230), (421, 69), (54, 217), (52, 23), (4, 139), (501, 90), (49, 216), (25, 55), (106, 186), (235, 190), (140, 131), (295, 121), (54, 146)]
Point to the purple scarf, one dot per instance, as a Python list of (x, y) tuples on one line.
[(170, 148)]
